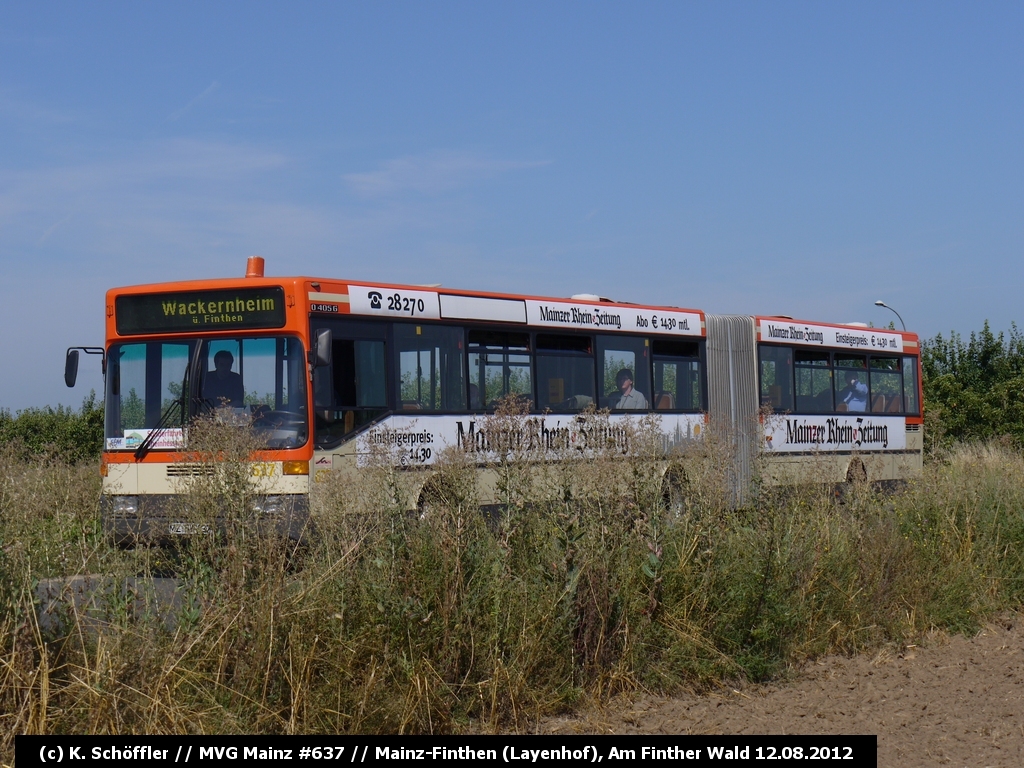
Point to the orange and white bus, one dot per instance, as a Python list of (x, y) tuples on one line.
[(327, 371), (834, 402)]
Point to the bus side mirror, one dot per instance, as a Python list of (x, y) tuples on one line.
[(324, 346), (71, 367)]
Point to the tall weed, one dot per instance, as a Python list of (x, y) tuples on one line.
[(410, 611)]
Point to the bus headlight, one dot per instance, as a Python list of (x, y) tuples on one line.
[(269, 506), (124, 506)]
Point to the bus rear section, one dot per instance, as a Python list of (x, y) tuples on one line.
[(816, 403)]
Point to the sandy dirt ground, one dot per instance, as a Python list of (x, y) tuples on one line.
[(950, 701)]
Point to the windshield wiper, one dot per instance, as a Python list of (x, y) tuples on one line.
[(178, 404), (161, 426)]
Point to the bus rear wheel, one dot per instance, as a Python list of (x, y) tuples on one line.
[(675, 491), (856, 472)]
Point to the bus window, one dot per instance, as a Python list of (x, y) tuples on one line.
[(359, 374), (813, 382), (259, 382), (430, 368), (353, 393), (910, 385), (777, 377), (886, 385), (260, 372), (625, 372), (677, 376), (851, 383), (143, 381), (222, 381), (565, 372), (499, 366)]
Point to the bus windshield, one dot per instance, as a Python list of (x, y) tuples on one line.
[(257, 381)]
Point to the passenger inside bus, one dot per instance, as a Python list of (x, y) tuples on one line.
[(855, 394), (223, 387), (632, 399)]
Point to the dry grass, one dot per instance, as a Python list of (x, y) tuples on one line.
[(591, 581)]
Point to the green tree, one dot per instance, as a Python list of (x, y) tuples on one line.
[(974, 389)]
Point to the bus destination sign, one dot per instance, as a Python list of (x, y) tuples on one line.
[(191, 311)]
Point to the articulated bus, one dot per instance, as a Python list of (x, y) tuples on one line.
[(325, 372)]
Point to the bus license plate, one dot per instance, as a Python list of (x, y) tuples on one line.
[(187, 529)]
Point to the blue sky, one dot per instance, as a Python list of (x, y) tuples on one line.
[(802, 159)]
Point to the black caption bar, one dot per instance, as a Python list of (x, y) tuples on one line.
[(133, 751)]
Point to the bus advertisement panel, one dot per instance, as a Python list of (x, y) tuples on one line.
[(812, 335), (864, 433), (419, 441)]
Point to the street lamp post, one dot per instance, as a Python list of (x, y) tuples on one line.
[(881, 303)]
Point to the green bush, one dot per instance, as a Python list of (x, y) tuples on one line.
[(72, 435)]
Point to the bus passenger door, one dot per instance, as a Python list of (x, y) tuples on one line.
[(352, 392)]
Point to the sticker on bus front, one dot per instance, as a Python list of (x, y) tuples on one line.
[(169, 438)]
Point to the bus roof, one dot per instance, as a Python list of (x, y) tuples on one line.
[(330, 296), (304, 295)]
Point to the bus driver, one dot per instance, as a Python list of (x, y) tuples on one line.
[(223, 387)]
